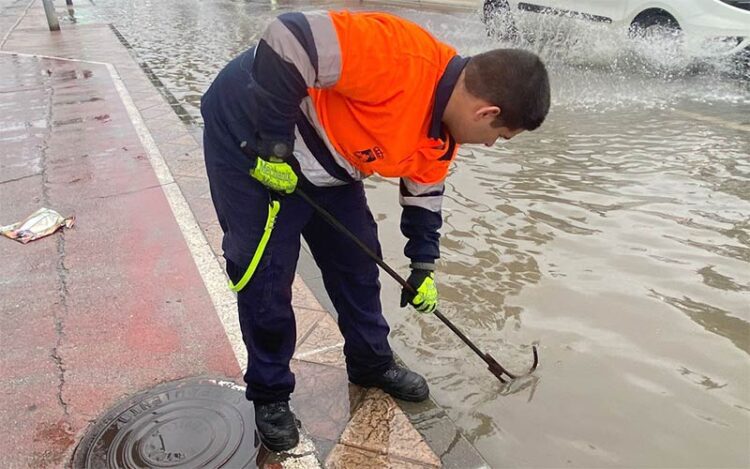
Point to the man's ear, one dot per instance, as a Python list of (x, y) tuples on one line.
[(488, 112)]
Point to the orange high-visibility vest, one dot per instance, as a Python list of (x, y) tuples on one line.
[(377, 115)]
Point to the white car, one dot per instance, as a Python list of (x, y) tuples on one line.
[(719, 27)]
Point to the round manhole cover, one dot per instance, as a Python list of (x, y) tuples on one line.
[(188, 423)]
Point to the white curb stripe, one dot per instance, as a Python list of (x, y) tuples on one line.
[(15, 25), (210, 270)]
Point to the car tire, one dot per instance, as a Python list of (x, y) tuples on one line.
[(659, 41), (498, 19), (648, 23)]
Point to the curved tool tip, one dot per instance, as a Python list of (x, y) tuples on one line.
[(536, 358)]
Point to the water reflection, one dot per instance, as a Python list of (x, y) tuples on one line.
[(703, 380), (719, 281), (713, 319)]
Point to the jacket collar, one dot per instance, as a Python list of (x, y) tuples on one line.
[(443, 92)]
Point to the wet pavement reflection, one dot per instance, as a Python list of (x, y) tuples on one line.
[(617, 238)]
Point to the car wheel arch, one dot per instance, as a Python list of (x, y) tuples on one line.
[(647, 15)]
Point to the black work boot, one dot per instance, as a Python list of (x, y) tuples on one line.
[(400, 383), (277, 426)]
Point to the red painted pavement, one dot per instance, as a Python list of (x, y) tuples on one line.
[(114, 305)]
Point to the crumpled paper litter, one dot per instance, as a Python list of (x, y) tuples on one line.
[(39, 224)]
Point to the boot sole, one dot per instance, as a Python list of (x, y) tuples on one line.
[(409, 397), (404, 397), (276, 448)]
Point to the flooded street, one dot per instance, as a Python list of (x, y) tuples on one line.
[(616, 238)]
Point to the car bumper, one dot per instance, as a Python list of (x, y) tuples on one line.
[(727, 27)]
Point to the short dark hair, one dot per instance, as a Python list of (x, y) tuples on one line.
[(513, 79)]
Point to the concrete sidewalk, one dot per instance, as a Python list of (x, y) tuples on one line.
[(110, 307), (134, 295)]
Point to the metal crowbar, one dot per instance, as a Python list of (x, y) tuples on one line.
[(495, 368)]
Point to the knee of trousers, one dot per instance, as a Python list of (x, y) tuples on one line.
[(265, 311)]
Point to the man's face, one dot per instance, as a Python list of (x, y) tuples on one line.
[(499, 133), (477, 128)]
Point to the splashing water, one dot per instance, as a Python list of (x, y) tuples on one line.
[(596, 67)]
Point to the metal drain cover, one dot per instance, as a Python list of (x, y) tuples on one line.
[(187, 423)]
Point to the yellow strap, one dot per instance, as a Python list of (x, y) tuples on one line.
[(273, 210)]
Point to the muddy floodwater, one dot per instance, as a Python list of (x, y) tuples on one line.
[(616, 238)]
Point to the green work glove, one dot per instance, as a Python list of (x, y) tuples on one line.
[(426, 299), (275, 175)]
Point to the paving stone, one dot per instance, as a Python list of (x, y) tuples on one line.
[(149, 103), (203, 210), (186, 140), (168, 131), (455, 451), (380, 426), (323, 447), (171, 151), (347, 457), (157, 114), (323, 399), (324, 344), (194, 187), (306, 319), (214, 236), (161, 122), (302, 296), (188, 166)]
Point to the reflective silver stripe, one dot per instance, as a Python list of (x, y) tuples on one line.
[(308, 109), (417, 197), (416, 188), (327, 43), (422, 265), (432, 203), (283, 42), (311, 169)]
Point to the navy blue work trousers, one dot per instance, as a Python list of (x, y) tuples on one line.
[(265, 303)]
